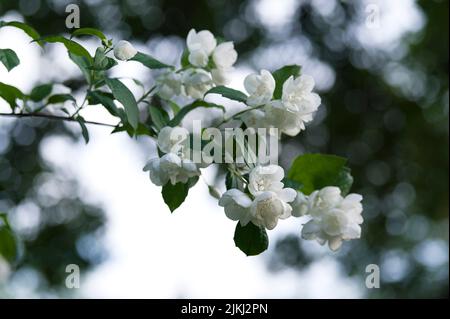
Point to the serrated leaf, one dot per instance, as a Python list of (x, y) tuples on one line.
[(185, 110), (149, 61), (123, 95), (9, 59), (84, 130), (229, 93), (10, 94), (281, 75), (252, 240), (40, 92), (316, 171), (30, 31)]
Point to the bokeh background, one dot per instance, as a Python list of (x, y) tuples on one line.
[(381, 68)]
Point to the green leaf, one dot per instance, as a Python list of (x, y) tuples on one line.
[(229, 93), (71, 46), (9, 59), (101, 61), (344, 181), (281, 75), (149, 61), (84, 130), (10, 94), (316, 171), (31, 32), (40, 92), (90, 31), (8, 241), (107, 100), (185, 59), (174, 195), (251, 239), (124, 96), (185, 110), (83, 64), (60, 98), (159, 116)]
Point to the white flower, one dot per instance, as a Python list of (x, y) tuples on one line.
[(203, 40), (269, 206), (197, 82), (334, 218), (298, 96), (171, 168), (236, 205), (260, 87), (224, 55), (300, 205), (270, 201), (266, 178), (221, 76), (173, 139), (287, 121), (254, 118), (124, 50), (169, 85), (198, 58), (200, 45)]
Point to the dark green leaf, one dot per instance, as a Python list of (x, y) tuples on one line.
[(159, 116), (344, 181), (8, 241), (185, 110), (316, 171), (60, 98), (174, 195), (40, 92), (9, 59), (101, 61), (107, 100), (229, 93), (251, 239), (25, 28), (185, 59), (83, 64), (71, 46), (84, 130), (90, 31), (10, 94), (149, 61), (124, 96), (281, 75)]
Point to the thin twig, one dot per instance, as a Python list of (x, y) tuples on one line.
[(53, 117)]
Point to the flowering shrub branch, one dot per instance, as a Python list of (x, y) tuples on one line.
[(259, 194)]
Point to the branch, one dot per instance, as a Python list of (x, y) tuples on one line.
[(53, 117)]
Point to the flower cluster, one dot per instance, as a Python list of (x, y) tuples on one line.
[(290, 113), (175, 165), (267, 201), (334, 218), (260, 196)]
